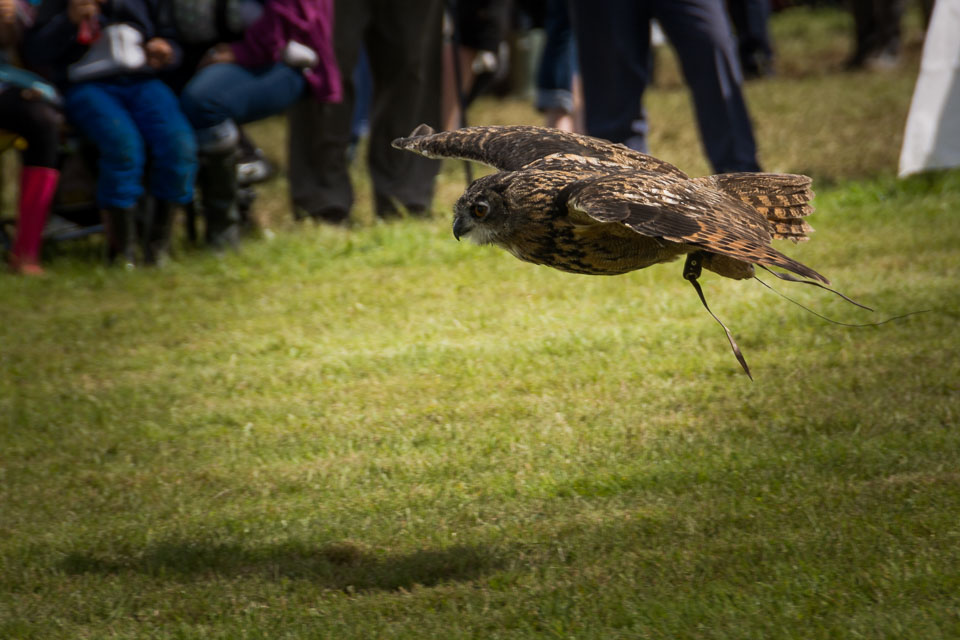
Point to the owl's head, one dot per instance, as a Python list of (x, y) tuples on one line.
[(481, 214)]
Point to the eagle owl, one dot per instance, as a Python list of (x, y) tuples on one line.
[(585, 205)]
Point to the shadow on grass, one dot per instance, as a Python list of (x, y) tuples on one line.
[(345, 566)]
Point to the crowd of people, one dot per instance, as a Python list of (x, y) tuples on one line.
[(161, 88)]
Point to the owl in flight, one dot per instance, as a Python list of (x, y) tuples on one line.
[(589, 206)]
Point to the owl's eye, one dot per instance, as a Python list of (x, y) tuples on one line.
[(480, 210)]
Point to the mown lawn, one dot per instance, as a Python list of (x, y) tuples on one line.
[(382, 433)]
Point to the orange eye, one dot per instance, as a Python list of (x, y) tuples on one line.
[(480, 210)]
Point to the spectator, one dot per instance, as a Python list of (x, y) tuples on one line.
[(105, 54), (25, 110), (285, 53), (613, 43), (402, 41)]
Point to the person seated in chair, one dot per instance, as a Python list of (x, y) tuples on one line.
[(286, 53), (105, 55), (27, 110)]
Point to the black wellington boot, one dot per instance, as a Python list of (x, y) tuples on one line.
[(158, 233), (120, 228), (218, 197)]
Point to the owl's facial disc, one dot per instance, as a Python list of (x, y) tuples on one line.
[(468, 217), (478, 214), (473, 220)]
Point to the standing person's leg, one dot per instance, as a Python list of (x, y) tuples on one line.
[(320, 133), (864, 30), (877, 33), (613, 48), (886, 44), (404, 45), (751, 20), (363, 96), (554, 82), (97, 110), (700, 33)]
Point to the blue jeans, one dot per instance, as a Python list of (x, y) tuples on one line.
[(558, 62), (126, 118), (223, 95)]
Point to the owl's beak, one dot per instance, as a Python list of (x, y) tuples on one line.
[(460, 227)]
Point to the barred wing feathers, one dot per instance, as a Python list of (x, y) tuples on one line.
[(513, 148), (782, 198), (681, 211)]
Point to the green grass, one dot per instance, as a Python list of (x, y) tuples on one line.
[(382, 433)]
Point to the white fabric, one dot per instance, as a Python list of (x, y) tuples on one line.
[(932, 136)]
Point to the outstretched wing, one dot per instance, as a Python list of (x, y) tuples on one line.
[(681, 211), (510, 148)]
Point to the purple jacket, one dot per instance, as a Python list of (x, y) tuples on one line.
[(309, 22)]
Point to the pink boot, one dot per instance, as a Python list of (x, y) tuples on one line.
[(37, 186)]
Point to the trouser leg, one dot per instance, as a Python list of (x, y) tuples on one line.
[(97, 110), (613, 48), (169, 138), (750, 19), (319, 134), (406, 94), (701, 35), (318, 171)]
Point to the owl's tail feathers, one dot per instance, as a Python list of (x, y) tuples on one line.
[(782, 198)]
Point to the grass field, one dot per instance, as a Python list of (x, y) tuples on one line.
[(382, 433)]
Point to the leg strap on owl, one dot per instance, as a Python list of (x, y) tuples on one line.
[(788, 277), (692, 269), (792, 278)]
